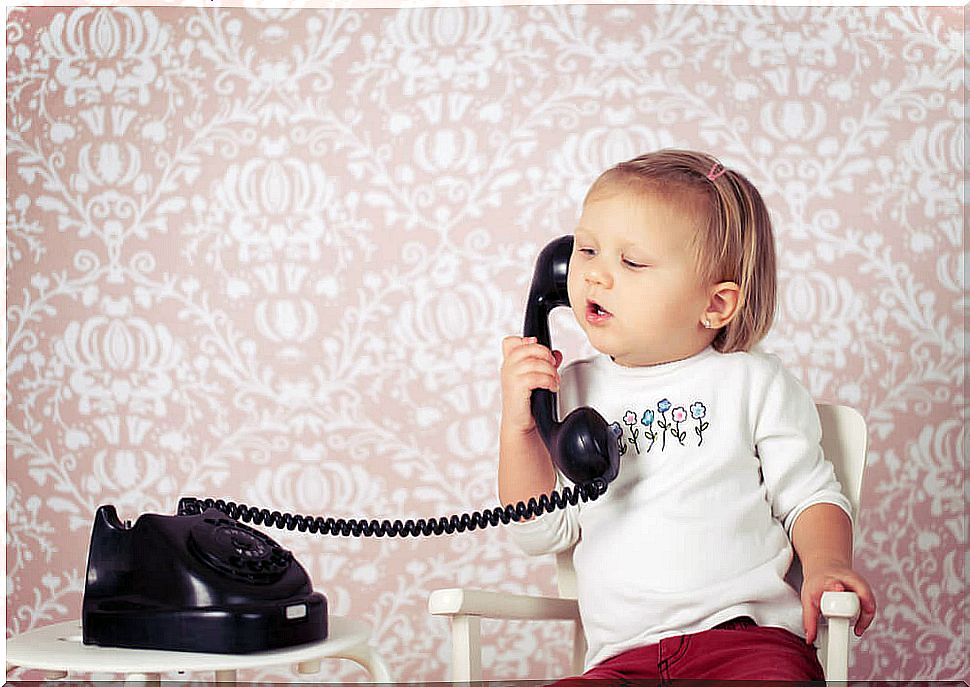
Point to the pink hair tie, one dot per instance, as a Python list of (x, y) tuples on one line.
[(715, 173)]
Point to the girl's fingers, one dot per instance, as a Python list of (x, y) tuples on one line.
[(529, 365), (510, 343), (531, 350), (540, 380), (534, 373)]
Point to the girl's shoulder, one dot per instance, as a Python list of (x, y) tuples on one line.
[(765, 374), (756, 372), (755, 361)]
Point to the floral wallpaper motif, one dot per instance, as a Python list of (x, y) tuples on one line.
[(270, 254)]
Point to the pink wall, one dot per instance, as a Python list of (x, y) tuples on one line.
[(269, 255)]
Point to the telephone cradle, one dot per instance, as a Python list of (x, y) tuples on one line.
[(201, 581), (197, 582)]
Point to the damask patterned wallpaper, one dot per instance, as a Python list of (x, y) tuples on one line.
[(270, 254)]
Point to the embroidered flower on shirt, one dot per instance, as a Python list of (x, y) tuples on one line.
[(647, 421), (630, 420), (618, 433), (663, 407), (698, 411), (679, 415)]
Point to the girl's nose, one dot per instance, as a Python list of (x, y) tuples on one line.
[(599, 277)]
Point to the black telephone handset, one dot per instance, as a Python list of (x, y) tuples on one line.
[(583, 445)]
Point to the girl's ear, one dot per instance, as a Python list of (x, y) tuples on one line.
[(722, 305)]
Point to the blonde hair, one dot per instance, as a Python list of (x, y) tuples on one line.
[(735, 243)]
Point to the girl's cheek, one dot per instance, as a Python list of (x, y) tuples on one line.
[(573, 290)]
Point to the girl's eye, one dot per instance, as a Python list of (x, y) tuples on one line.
[(633, 265), (586, 251)]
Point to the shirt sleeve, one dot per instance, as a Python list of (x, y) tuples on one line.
[(788, 437), (548, 533)]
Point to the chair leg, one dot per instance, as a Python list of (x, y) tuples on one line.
[(837, 652), (226, 677), (579, 649), (376, 666), (466, 648), (368, 659), (308, 667)]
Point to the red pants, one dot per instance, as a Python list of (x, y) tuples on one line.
[(735, 650)]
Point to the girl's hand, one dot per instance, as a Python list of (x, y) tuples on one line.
[(835, 579), (526, 365)]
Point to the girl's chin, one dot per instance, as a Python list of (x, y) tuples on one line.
[(619, 355), (605, 347)]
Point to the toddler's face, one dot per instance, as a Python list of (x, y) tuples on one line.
[(633, 282)]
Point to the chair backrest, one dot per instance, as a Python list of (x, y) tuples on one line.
[(844, 444)]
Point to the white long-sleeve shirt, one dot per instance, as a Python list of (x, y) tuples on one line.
[(720, 455)]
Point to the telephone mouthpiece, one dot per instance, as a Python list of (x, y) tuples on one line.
[(585, 448)]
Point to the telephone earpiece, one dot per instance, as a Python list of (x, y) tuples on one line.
[(583, 445)]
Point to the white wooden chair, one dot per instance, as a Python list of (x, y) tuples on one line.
[(844, 442)]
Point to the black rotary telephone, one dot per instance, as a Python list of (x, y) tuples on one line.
[(195, 583), (201, 581)]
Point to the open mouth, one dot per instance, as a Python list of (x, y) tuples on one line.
[(596, 312)]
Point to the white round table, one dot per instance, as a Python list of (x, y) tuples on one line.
[(58, 649)]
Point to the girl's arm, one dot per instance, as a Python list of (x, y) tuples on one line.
[(524, 468), (822, 537)]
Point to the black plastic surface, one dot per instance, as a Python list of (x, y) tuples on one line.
[(195, 583)]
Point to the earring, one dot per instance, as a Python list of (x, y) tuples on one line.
[(707, 323)]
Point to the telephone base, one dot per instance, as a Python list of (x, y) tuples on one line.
[(237, 630), (202, 583)]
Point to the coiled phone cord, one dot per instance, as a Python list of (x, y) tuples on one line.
[(546, 503)]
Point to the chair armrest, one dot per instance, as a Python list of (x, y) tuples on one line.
[(487, 604), (839, 608), (840, 605)]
